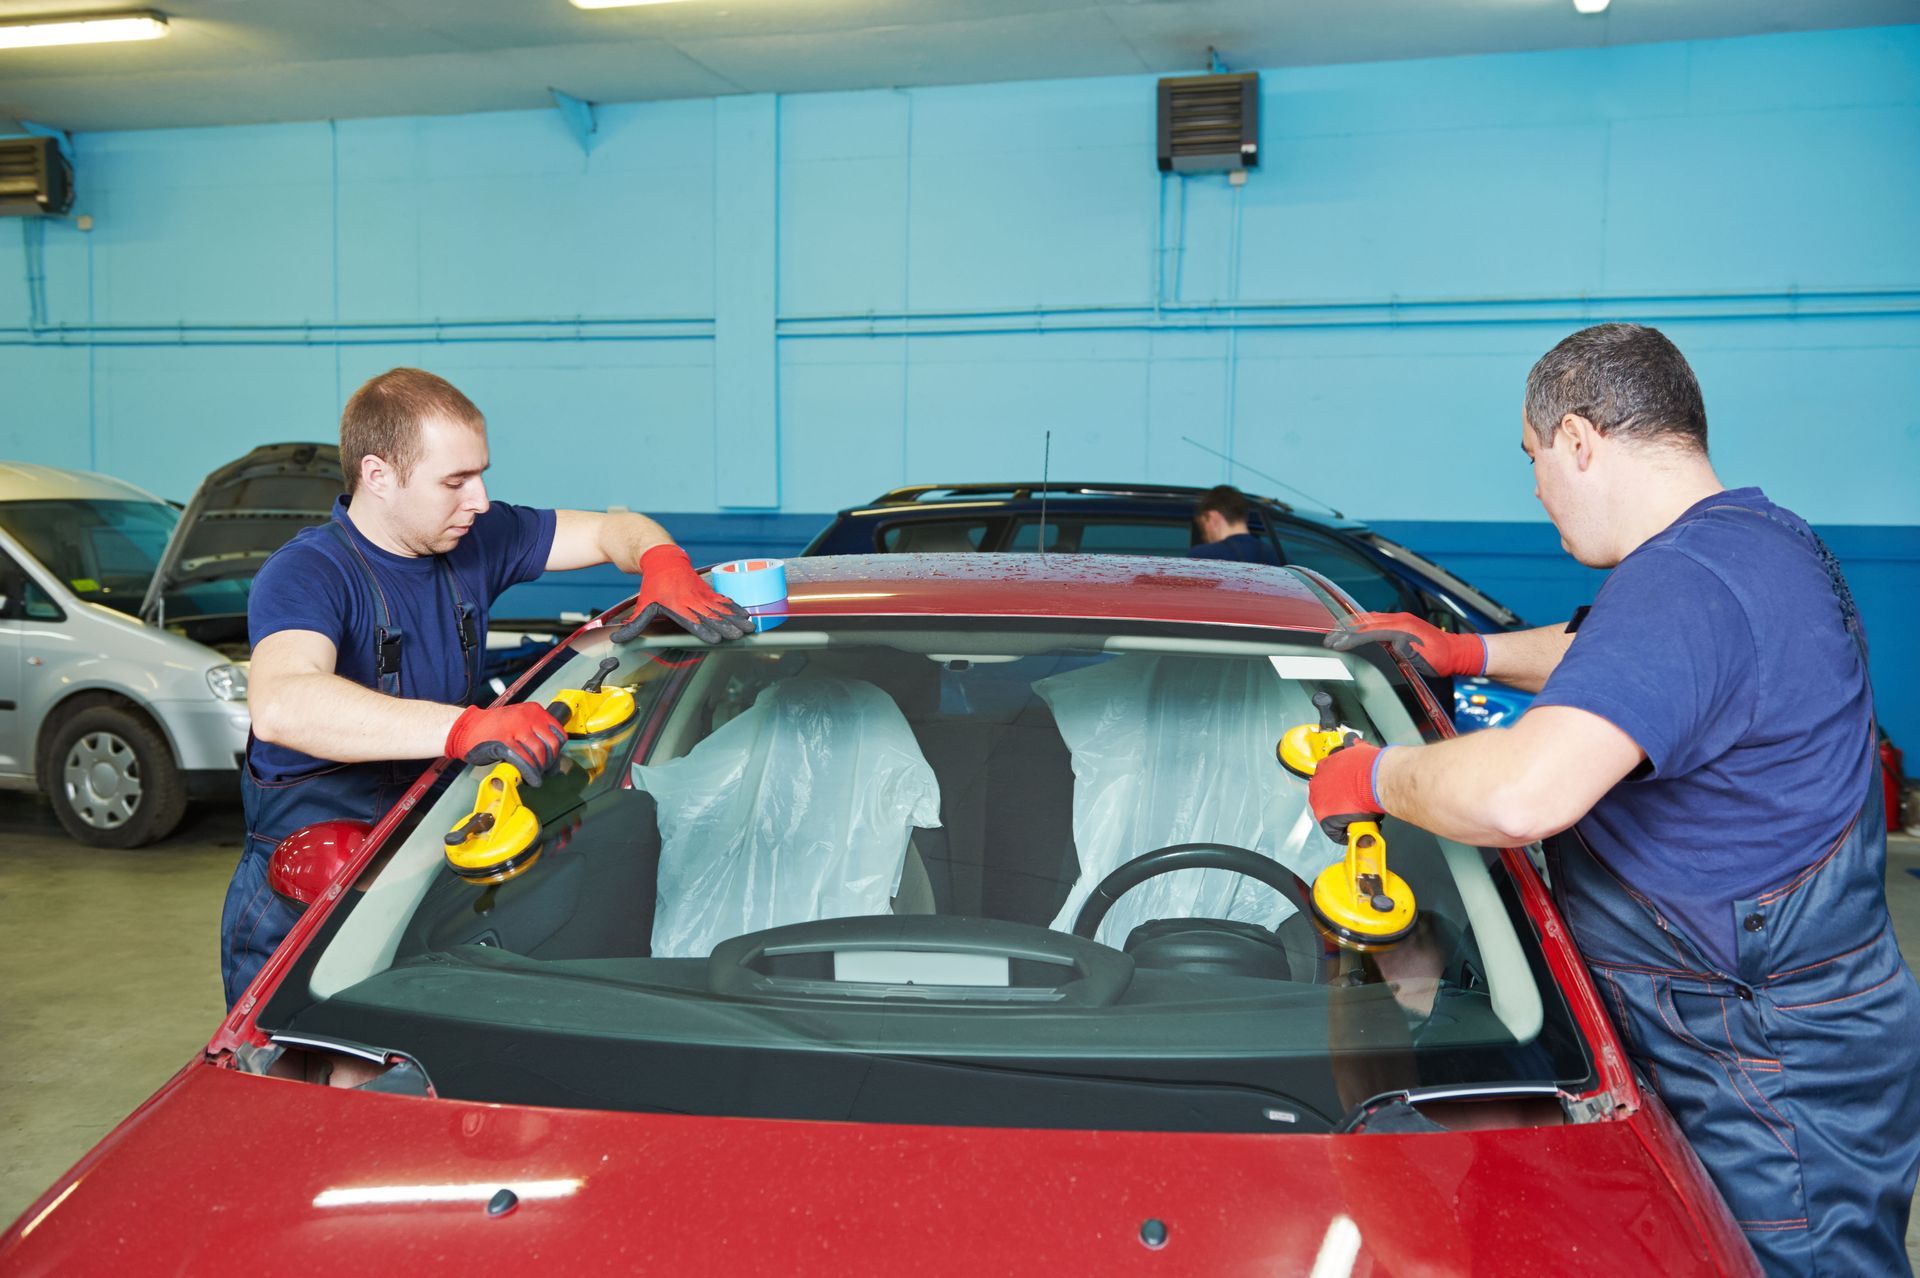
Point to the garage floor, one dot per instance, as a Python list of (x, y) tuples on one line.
[(109, 977)]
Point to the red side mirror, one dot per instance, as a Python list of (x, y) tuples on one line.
[(312, 857)]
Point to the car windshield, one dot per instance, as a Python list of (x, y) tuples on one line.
[(877, 869), (106, 551)]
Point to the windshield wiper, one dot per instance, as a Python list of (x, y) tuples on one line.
[(401, 1072), (1398, 1111)]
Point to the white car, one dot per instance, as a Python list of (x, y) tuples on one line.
[(123, 633)]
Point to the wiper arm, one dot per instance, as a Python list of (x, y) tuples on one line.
[(400, 1073), (1399, 1110)]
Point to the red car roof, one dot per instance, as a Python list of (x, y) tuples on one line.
[(1103, 587)]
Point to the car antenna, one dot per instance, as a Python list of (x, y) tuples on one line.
[(1337, 514), (1046, 464)]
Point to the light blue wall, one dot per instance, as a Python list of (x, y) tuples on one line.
[(787, 305)]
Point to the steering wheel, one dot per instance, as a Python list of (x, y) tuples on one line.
[(1189, 856)]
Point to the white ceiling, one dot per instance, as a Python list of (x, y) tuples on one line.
[(245, 61)]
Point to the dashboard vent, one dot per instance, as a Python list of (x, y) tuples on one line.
[(1209, 123)]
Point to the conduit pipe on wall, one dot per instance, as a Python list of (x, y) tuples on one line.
[(1162, 250), (1245, 316), (1233, 329), (266, 340), (1171, 316), (33, 246), (382, 334), (249, 326), (1893, 301)]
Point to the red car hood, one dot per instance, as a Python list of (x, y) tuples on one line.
[(224, 1171)]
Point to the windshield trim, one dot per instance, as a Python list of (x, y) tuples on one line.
[(1447, 579)]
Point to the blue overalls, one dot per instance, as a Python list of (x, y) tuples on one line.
[(255, 918), (1797, 1077)]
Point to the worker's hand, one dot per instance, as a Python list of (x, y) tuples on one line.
[(522, 734), (1433, 652), (1341, 791), (670, 587)]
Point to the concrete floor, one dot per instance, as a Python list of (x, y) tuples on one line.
[(92, 1029)]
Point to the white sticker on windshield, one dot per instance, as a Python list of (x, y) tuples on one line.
[(1316, 668)]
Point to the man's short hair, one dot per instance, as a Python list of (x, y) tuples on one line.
[(1225, 500), (383, 419), (1627, 379)]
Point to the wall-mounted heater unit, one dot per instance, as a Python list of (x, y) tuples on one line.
[(1209, 123), (35, 179)]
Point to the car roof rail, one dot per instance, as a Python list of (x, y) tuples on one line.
[(912, 493)]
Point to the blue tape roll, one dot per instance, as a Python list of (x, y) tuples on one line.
[(752, 583)]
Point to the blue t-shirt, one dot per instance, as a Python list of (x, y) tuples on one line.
[(313, 583), (1242, 547), (1721, 647)]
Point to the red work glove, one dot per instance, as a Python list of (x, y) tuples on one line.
[(670, 587), (1431, 650), (1341, 791), (522, 734)]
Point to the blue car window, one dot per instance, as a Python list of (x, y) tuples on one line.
[(944, 536), (1369, 585), (1103, 537)]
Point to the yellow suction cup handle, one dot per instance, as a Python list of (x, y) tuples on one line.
[(488, 843), (591, 709), (591, 713), (1363, 903), (1303, 746)]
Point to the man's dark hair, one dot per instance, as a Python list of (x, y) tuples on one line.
[(383, 419), (1627, 379), (1229, 502)]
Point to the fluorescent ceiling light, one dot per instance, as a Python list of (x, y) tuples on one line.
[(616, 4), (92, 28), (1583, 6)]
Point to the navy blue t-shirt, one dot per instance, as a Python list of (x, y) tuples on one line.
[(1243, 547), (312, 583), (1721, 647)]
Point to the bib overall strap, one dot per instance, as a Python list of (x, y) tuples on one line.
[(465, 621), (386, 636)]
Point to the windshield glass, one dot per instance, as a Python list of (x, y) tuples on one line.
[(106, 551), (836, 870)]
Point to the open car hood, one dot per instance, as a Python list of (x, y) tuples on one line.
[(312, 1179), (243, 512)]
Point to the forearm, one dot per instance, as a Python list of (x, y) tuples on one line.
[(329, 717), (1524, 658), (1480, 789), (626, 536)]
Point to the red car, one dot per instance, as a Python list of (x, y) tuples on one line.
[(956, 922)]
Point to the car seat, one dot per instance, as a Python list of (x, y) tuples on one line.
[(1179, 749), (799, 808)]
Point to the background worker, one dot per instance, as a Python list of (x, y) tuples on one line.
[(1220, 517), (369, 630), (1706, 740)]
